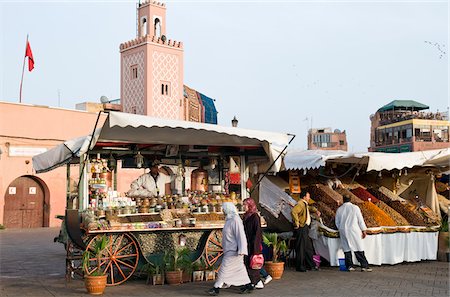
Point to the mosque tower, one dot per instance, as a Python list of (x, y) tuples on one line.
[(151, 80)]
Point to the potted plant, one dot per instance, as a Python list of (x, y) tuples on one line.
[(185, 264), (174, 261), (95, 281), (198, 274), (155, 273), (275, 267)]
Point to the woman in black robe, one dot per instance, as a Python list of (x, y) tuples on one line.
[(252, 227)]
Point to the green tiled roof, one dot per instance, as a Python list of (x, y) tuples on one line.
[(404, 104)]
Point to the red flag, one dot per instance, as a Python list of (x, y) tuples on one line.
[(29, 54)]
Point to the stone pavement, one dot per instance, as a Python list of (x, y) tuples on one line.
[(32, 265)]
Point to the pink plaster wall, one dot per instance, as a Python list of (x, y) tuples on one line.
[(42, 127)]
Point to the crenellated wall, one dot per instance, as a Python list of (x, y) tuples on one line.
[(150, 39)]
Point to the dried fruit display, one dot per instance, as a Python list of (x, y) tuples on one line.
[(406, 209), (327, 214), (323, 193), (380, 216), (353, 198), (398, 218), (364, 195), (368, 216)]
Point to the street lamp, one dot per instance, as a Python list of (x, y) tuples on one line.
[(234, 122)]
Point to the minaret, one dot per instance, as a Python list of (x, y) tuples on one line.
[(151, 80)]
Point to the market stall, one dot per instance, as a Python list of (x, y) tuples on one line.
[(395, 192), (217, 160)]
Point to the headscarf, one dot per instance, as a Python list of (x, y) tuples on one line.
[(251, 207), (229, 209)]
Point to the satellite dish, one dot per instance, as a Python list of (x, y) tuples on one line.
[(104, 99), (337, 131)]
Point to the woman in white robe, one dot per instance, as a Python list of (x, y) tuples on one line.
[(352, 230), (232, 270)]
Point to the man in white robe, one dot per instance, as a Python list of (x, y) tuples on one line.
[(154, 183), (232, 270), (352, 230)]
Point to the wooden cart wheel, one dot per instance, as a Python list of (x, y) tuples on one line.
[(213, 248), (121, 259)]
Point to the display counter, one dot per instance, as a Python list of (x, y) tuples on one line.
[(392, 248)]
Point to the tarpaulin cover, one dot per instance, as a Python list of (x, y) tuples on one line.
[(210, 109), (275, 200)]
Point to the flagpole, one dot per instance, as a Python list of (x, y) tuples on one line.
[(23, 70)]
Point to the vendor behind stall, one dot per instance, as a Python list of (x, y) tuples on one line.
[(153, 183)]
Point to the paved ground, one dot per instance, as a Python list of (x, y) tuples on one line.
[(32, 265)]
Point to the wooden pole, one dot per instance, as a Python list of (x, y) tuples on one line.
[(23, 70)]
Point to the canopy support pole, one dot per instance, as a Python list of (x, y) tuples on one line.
[(271, 165), (82, 188)]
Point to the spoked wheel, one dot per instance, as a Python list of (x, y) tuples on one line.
[(121, 258), (213, 249)]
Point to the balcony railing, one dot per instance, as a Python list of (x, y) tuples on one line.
[(399, 117)]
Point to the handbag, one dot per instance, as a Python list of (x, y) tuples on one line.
[(257, 261)]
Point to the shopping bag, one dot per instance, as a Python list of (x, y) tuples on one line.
[(256, 261)]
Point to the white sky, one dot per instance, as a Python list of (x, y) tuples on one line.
[(272, 64)]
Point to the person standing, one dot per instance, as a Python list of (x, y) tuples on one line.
[(232, 271), (151, 184), (303, 246), (253, 232), (352, 230)]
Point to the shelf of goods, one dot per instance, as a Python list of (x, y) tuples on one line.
[(399, 230)]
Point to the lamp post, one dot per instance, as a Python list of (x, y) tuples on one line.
[(234, 122)]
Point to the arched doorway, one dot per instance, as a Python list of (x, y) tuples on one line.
[(26, 204)]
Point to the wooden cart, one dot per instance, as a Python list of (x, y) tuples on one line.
[(127, 249)]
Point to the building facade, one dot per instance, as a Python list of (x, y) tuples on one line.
[(327, 139), (405, 126), (151, 84)]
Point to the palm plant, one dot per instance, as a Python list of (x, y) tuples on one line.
[(177, 259), (279, 246), (98, 252)]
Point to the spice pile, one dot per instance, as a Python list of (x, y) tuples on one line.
[(398, 218), (353, 198), (379, 216), (323, 193), (327, 214), (364, 195), (407, 210)]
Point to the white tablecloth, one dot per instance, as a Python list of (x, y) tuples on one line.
[(384, 248)]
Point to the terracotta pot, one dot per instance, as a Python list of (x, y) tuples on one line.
[(174, 277), (274, 269), (95, 285), (186, 276)]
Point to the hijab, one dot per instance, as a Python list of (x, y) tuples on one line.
[(251, 207), (229, 209)]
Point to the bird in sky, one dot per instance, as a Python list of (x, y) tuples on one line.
[(439, 47)]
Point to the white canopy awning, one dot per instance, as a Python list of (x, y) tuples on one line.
[(295, 160), (310, 159), (130, 128)]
